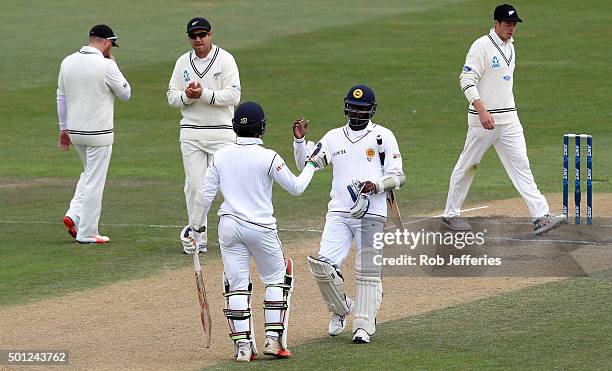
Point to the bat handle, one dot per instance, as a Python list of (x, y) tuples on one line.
[(381, 150)]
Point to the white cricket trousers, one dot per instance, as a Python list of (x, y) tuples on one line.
[(238, 243), (509, 143), (197, 155), (338, 235), (86, 204)]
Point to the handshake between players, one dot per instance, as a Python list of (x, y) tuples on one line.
[(244, 173)]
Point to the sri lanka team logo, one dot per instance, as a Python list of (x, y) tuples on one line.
[(370, 153)]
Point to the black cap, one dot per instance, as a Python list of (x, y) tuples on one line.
[(105, 32), (249, 120), (506, 12), (360, 95), (198, 24)]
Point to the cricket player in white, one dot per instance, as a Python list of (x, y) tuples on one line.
[(87, 85), (205, 85), (486, 81), (244, 172), (352, 150)]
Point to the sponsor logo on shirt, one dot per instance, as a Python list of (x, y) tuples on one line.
[(280, 167), (340, 152), (186, 75), (467, 68), (507, 77), (216, 75), (495, 62), (396, 155)]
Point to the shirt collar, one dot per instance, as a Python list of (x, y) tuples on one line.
[(90, 50), (246, 140), (369, 127), (498, 40), (208, 56)]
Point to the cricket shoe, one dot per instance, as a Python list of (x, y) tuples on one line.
[(71, 225), (273, 347), (547, 223), (338, 322), (94, 239), (455, 223), (361, 336), (245, 352)]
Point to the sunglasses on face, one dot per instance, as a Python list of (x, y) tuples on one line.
[(201, 35)]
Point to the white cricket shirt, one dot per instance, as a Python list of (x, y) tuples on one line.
[(354, 155), (210, 116), (488, 75), (244, 172), (86, 89)]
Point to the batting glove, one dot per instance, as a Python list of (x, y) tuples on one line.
[(319, 156)]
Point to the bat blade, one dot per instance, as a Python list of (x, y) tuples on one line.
[(394, 212), (204, 309)]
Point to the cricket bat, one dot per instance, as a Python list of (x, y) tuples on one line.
[(204, 310), (392, 207)]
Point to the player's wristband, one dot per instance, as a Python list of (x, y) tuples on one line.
[(312, 163)]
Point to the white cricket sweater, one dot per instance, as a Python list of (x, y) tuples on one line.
[(244, 172), (488, 74), (210, 116), (87, 85), (354, 155)]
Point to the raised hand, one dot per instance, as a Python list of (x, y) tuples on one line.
[(300, 128)]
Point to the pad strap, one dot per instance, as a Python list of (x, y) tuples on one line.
[(275, 326), (244, 335), (237, 314)]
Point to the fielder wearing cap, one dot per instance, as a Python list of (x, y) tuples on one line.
[(244, 173), (88, 82), (205, 86), (356, 214), (487, 80)]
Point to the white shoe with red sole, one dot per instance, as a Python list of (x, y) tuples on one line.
[(71, 225), (94, 239)]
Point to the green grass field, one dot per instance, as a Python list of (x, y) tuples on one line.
[(546, 327), (296, 59)]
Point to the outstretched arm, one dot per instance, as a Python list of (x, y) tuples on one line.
[(281, 174)]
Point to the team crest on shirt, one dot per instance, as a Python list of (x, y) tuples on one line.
[(495, 62), (186, 75), (370, 153)]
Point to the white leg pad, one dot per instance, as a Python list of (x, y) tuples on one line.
[(369, 294), (331, 285), (238, 313), (277, 304)]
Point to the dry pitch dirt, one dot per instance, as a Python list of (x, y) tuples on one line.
[(152, 323)]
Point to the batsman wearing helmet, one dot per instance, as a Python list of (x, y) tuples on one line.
[(244, 172), (357, 209)]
